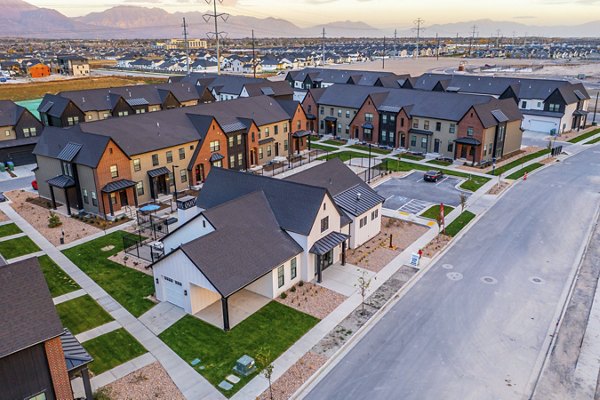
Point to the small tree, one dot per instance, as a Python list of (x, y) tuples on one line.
[(263, 360), (363, 283), (463, 201), (54, 220)]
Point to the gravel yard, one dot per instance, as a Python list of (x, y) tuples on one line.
[(313, 300), (294, 377), (376, 253), (3, 217), (436, 245), (150, 382), (38, 217), (498, 187), (131, 262)]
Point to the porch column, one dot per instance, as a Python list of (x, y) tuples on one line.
[(319, 269), (67, 201), (344, 252), (110, 205), (85, 376), (135, 198), (225, 308), (52, 197)]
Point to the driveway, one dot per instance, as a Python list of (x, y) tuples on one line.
[(413, 195), (16, 183)]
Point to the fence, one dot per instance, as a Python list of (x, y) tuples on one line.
[(136, 246), (296, 160), (374, 172), (152, 226)]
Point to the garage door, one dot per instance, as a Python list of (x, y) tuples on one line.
[(22, 157), (538, 125), (174, 292)]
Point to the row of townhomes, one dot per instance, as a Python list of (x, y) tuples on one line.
[(297, 227), (19, 132), (451, 125), (103, 166)]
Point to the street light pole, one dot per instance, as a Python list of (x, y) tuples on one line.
[(174, 182), (369, 170)]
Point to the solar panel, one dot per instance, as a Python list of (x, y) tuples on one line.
[(579, 95), (499, 115), (267, 91), (137, 101), (69, 152), (46, 107)]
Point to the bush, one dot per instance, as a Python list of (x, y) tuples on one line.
[(293, 289), (54, 221), (301, 283), (283, 295)]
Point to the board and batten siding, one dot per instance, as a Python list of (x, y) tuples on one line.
[(361, 235), (198, 227)]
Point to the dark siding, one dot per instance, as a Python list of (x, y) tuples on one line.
[(509, 94), (25, 374), (555, 98), (71, 111), (170, 102), (20, 155), (27, 120), (237, 149), (122, 106)]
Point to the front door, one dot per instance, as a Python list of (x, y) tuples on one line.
[(402, 140), (199, 172), (463, 151), (123, 196), (436, 146), (161, 184), (327, 259), (276, 149)]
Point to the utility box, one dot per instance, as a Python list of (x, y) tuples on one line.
[(2, 167), (245, 365)]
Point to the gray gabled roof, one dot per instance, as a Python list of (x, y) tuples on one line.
[(75, 355), (10, 113), (347, 96), (26, 307), (247, 243), (55, 139), (328, 243), (294, 205)]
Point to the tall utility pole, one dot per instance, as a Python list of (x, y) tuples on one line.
[(437, 49), (472, 40), (253, 55), (396, 42), (323, 49), (498, 41), (418, 22), (207, 17), (383, 56), (187, 47)]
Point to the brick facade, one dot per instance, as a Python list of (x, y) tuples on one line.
[(356, 127), (113, 155), (202, 165), (299, 122), (470, 120), (58, 369)]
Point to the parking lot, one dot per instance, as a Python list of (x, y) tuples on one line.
[(411, 194)]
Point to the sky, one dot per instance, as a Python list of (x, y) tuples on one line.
[(384, 13)]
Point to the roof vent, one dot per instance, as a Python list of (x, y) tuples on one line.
[(83, 99), (358, 196)]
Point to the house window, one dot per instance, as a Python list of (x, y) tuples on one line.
[(230, 141), (137, 165), (450, 147), (539, 104), (182, 153), (368, 117), (424, 142), (452, 128), (554, 107), (86, 199), (347, 113), (402, 121), (347, 129), (240, 159), (523, 104), (269, 151), (426, 125), (469, 131), (267, 132), (280, 276), (363, 222), (30, 132), (140, 111), (94, 199), (183, 175), (383, 136), (114, 171), (331, 111), (169, 156), (339, 128), (154, 160), (392, 118), (415, 123), (72, 121), (239, 139), (294, 268), (123, 113), (484, 149), (367, 134), (260, 153), (218, 164), (113, 198), (285, 145), (231, 161), (215, 146), (339, 113), (384, 118), (324, 224), (413, 140), (374, 214), (7, 132), (276, 130), (39, 396), (298, 125), (139, 188), (322, 111), (438, 126)]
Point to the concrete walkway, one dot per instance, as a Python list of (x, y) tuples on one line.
[(189, 382), (15, 236), (120, 371), (160, 317), (97, 331), (68, 296), (25, 257)]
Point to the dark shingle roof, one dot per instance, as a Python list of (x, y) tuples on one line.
[(10, 113), (260, 245), (347, 96), (54, 140), (26, 307)]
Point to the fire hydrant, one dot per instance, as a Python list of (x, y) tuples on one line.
[(525, 176)]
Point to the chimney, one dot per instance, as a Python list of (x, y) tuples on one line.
[(186, 209)]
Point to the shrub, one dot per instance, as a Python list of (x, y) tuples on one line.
[(293, 289), (54, 220), (283, 295), (301, 283)]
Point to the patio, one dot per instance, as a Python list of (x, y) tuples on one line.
[(343, 279), (241, 305)]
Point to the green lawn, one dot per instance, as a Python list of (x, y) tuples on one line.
[(82, 314), (433, 212), (18, 247), (334, 142), (322, 147), (439, 162), (463, 219), (374, 149), (344, 155), (9, 230), (473, 183), (273, 329), (584, 136), (516, 163), (58, 281), (409, 156), (126, 285), (112, 349), (521, 172), (593, 141)]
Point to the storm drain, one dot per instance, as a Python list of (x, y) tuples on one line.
[(454, 276), (489, 280), (536, 280)]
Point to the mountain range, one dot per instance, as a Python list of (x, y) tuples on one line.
[(21, 19)]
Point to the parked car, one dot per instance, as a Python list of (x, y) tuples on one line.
[(34, 184), (2, 197), (433, 176), (3, 80)]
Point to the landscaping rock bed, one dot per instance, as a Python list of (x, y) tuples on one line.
[(3, 217), (131, 262), (37, 216), (498, 188), (376, 253), (312, 299), (150, 382), (436, 245)]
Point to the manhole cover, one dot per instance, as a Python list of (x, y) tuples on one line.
[(447, 266), (536, 280), (489, 280), (454, 276)]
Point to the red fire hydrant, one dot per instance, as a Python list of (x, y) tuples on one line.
[(525, 176)]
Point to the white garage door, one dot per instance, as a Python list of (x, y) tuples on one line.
[(174, 292), (538, 125)]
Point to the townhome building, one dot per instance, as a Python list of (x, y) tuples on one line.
[(459, 126), (74, 65), (223, 87), (294, 232), (19, 132), (548, 105)]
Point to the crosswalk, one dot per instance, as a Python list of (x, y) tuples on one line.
[(415, 206)]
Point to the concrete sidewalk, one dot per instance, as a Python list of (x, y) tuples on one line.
[(189, 382)]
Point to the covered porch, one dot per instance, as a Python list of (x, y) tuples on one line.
[(159, 182), (227, 312), (299, 141), (330, 125), (118, 195), (67, 185), (468, 149), (323, 251)]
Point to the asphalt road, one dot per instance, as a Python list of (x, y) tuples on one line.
[(16, 183), (475, 325), (400, 191)]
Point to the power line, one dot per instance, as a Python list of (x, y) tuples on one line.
[(383, 56), (323, 49), (472, 39), (418, 22), (214, 16), (396, 42), (254, 62), (187, 47)]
